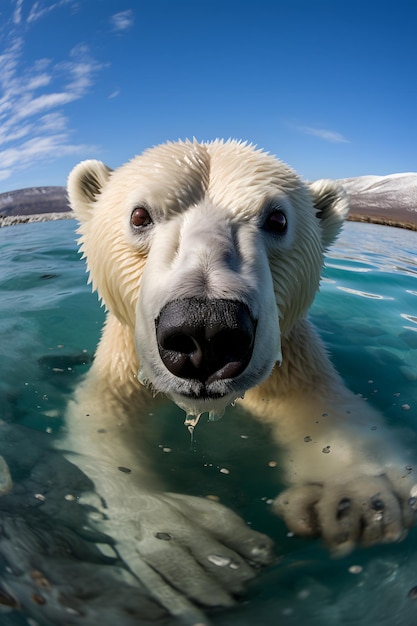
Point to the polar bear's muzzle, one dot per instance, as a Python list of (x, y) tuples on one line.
[(205, 340), (207, 320)]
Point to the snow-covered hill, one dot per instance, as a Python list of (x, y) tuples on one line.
[(33, 200), (393, 196)]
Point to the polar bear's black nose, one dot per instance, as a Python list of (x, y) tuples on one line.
[(205, 340)]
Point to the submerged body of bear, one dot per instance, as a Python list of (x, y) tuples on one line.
[(207, 257)]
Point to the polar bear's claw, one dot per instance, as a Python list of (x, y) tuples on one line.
[(364, 511)]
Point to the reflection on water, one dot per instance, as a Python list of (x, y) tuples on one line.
[(363, 294), (55, 568), (410, 318)]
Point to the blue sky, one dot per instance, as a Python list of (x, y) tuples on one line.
[(328, 86)]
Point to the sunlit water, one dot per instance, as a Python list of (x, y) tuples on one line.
[(49, 326)]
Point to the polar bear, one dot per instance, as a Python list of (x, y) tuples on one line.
[(207, 257)]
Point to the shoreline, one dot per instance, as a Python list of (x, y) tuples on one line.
[(13, 220), (381, 221)]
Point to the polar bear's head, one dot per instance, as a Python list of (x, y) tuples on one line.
[(210, 253)]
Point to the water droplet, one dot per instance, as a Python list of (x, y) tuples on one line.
[(412, 502), (413, 491), (326, 450), (307, 438), (191, 431), (191, 422), (142, 378), (215, 416), (287, 612)]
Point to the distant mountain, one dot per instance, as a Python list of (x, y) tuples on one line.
[(389, 199), (382, 199), (33, 200)]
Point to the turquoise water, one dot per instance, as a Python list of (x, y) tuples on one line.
[(49, 326)]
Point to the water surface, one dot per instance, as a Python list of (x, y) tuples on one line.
[(49, 326)]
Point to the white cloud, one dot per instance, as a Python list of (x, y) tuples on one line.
[(33, 97), (122, 21), (17, 15), (29, 107), (5, 174), (39, 9), (40, 80), (323, 133), (38, 147)]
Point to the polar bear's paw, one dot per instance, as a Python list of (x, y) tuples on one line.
[(363, 511), (188, 550)]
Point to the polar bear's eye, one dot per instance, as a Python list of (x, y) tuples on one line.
[(276, 222), (140, 217)]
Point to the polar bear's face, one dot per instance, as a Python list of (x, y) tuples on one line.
[(209, 252)]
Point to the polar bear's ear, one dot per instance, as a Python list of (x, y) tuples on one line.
[(332, 206), (85, 183)]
